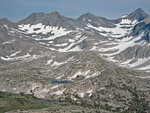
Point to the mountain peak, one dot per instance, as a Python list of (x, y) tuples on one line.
[(43, 15), (55, 13), (87, 16), (88, 13), (94, 20), (139, 10), (49, 19), (45, 18), (7, 22), (4, 20), (138, 14)]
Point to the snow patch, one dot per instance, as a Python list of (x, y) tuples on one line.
[(92, 75), (71, 40), (61, 45), (60, 77), (15, 58), (123, 44), (59, 92), (122, 29), (124, 16), (76, 48), (89, 92), (14, 54), (54, 87), (79, 39), (75, 75), (58, 63), (81, 95), (49, 62), (40, 28), (139, 62)]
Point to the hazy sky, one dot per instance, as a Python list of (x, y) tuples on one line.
[(16, 10)]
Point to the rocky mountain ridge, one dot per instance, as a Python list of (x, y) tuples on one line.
[(91, 60)]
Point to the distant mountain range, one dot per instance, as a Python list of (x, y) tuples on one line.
[(91, 59), (124, 40)]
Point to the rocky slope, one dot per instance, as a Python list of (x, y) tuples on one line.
[(84, 61)]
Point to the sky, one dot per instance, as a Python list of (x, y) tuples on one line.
[(16, 10)]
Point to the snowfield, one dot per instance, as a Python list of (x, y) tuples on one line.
[(40, 28), (119, 31), (15, 58), (118, 41)]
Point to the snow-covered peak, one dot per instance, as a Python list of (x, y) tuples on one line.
[(124, 16)]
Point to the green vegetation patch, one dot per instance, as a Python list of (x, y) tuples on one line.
[(9, 102)]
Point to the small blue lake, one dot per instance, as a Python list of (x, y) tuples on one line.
[(61, 82)]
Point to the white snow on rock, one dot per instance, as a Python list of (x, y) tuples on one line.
[(89, 20), (71, 40), (60, 76), (70, 47), (14, 54), (40, 28), (139, 62), (8, 42), (145, 68), (87, 74), (75, 75), (15, 58), (76, 48), (6, 26), (124, 16), (79, 73), (125, 21), (92, 75), (58, 63), (49, 62), (55, 63), (127, 62), (118, 31), (81, 95), (54, 87), (89, 92), (93, 48), (44, 43), (144, 77), (61, 45), (123, 44), (59, 92), (50, 42)]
